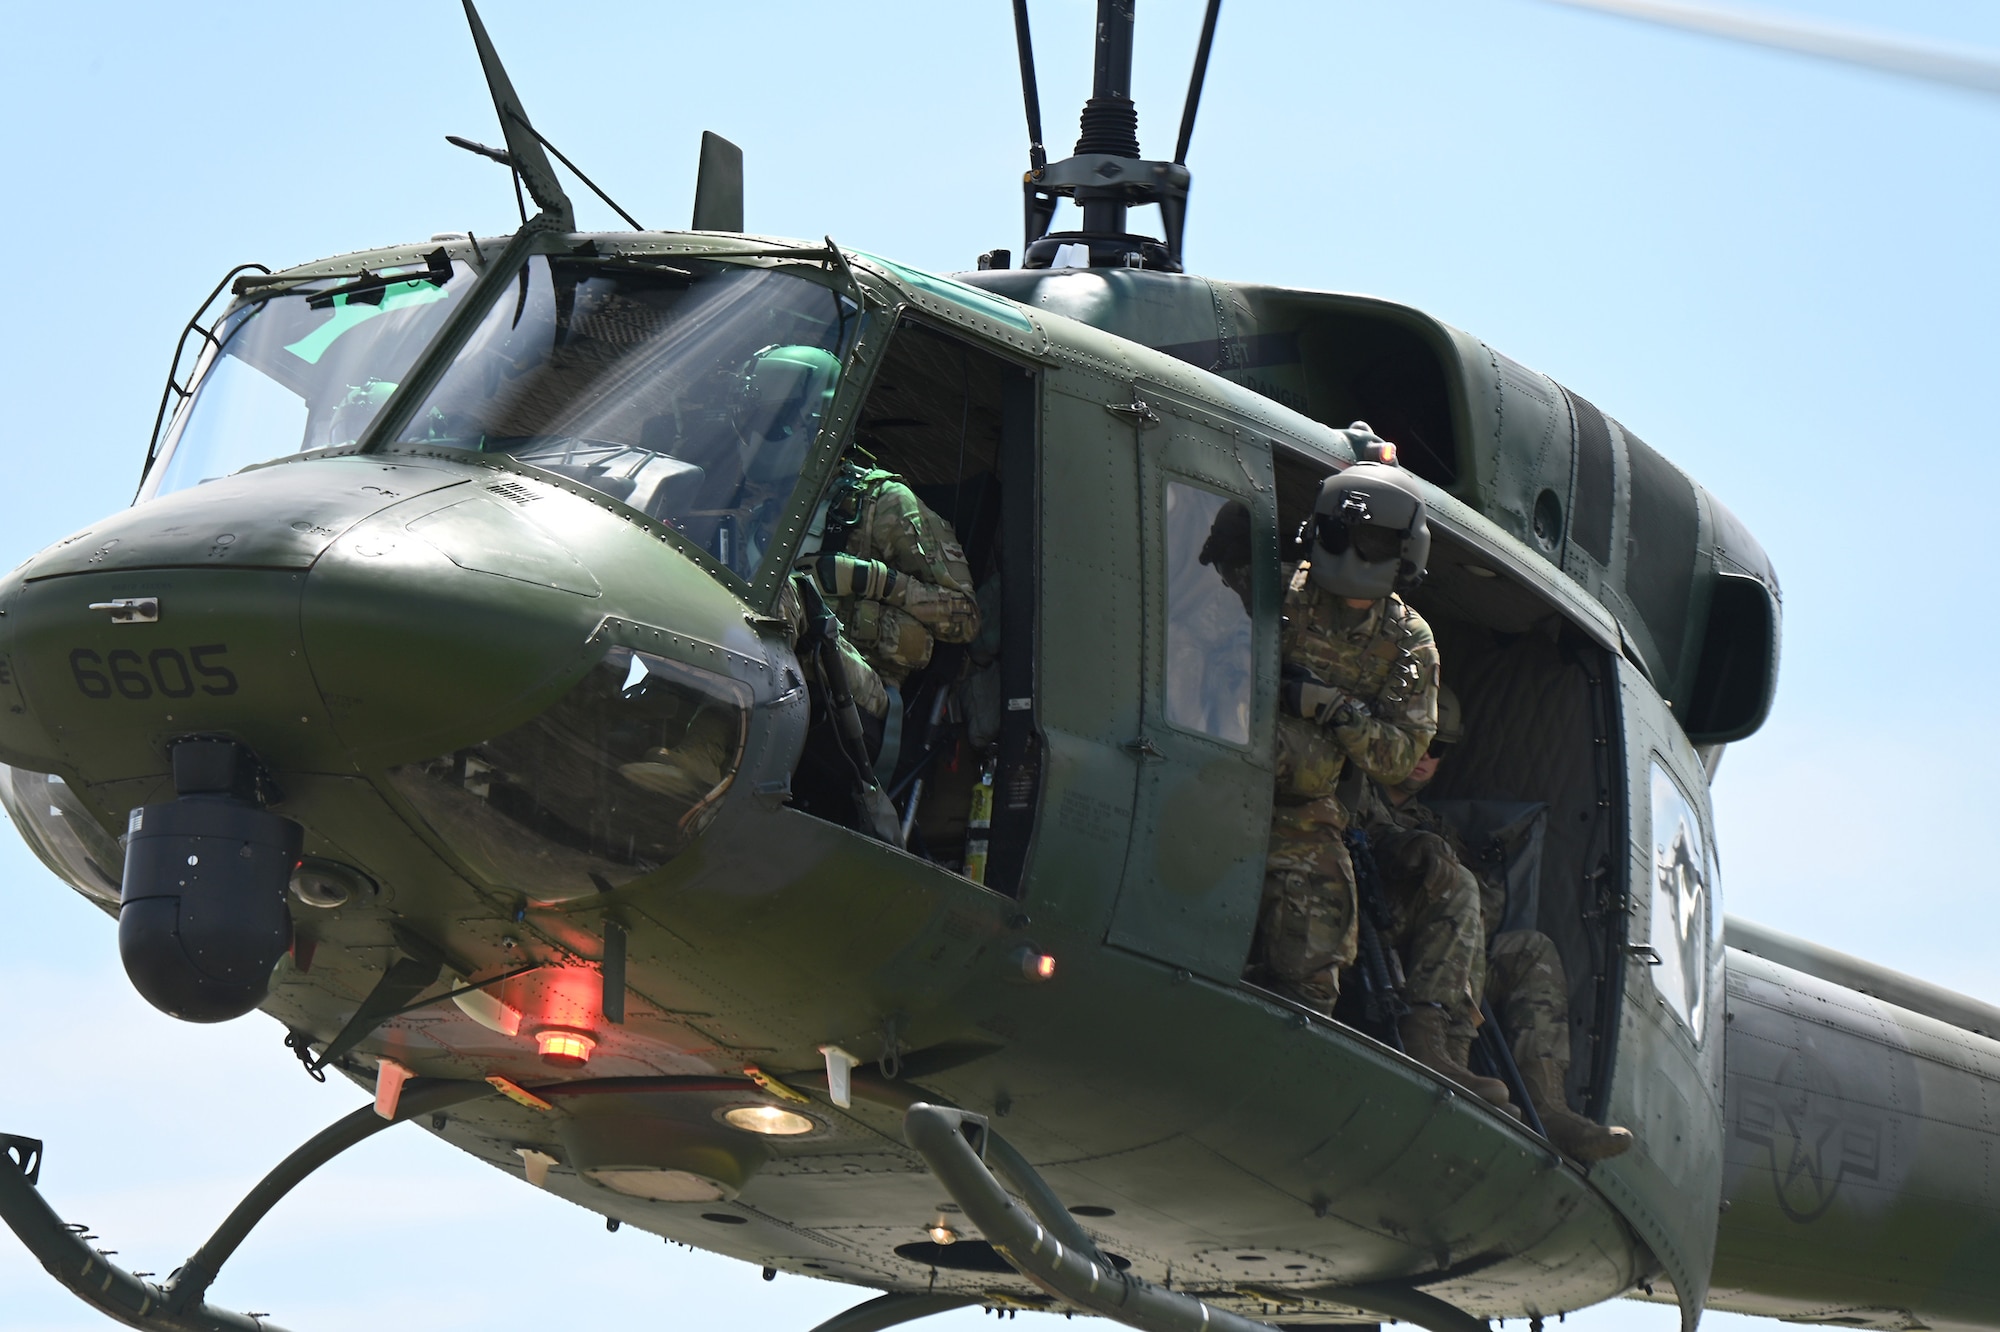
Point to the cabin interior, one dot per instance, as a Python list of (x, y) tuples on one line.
[(939, 416), (1532, 785)]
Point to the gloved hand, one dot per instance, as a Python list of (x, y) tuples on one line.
[(1414, 854), (840, 576), (1304, 695)]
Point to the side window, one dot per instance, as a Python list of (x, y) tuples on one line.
[(1209, 661), (1686, 904)]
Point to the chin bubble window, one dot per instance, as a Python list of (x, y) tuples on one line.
[(609, 784)]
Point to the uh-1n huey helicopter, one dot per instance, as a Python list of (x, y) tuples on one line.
[(778, 1036)]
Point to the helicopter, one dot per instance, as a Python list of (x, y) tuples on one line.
[(199, 665)]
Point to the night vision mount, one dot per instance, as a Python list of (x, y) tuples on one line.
[(1106, 176)]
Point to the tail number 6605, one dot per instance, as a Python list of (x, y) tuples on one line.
[(166, 671)]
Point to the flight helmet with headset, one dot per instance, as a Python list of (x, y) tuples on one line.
[(781, 395), (1367, 533)]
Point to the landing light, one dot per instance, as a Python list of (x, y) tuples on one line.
[(769, 1120), (942, 1234), (564, 1049)]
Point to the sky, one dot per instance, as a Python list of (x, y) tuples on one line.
[(1778, 272)]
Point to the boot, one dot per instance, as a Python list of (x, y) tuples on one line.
[(1572, 1134), (1424, 1040), (1319, 992)]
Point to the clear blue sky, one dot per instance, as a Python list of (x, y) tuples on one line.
[(1780, 273)]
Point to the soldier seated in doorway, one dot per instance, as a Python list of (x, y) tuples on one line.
[(1453, 927)]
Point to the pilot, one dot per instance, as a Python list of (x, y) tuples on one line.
[(781, 395), (1518, 970), (894, 573)]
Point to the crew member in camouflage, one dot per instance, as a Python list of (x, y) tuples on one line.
[(1519, 972), (892, 570), (1361, 673)]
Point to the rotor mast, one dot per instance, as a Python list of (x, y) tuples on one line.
[(1105, 176), (1109, 124)]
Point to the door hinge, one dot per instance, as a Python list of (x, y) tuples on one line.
[(1645, 953), (1147, 751), (1136, 411)]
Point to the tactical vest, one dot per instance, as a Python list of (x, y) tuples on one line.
[(893, 642), (1375, 661)]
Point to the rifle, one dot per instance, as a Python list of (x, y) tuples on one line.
[(1379, 973)]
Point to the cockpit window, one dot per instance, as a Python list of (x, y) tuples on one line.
[(692, 391), (305, 368)]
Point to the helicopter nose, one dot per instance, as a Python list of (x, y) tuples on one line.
[(443, 621), (328, 615)]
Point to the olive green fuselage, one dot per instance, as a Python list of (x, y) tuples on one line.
[(352, 616)]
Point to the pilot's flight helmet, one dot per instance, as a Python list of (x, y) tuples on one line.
[(781, 396), (1368, 533)]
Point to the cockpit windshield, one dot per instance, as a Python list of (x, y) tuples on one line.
[(304, 368), (692, 390)]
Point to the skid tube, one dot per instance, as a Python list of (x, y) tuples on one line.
[(1052, 1250), (179, 1305), (1072, 1271)]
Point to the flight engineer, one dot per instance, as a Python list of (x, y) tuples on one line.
[(1518, 971), (895, 575)]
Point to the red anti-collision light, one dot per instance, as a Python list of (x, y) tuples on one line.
[(1036, 965)]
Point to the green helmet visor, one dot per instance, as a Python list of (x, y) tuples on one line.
[(785, 393)]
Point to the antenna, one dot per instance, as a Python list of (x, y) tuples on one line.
[(718, 185), (524, 146), (1196, 79)]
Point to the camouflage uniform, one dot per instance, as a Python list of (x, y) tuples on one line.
[(1385, 659), (1517, 971), (893, 572), (862, 682), (1435, 909)]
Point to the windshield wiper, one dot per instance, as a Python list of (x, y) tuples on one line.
[(437, 272), (628, 263)]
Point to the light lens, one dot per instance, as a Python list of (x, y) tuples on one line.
[(769, 1120), (672, 1186), (942, 1234), (564, 1049)]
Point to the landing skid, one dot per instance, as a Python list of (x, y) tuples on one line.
[(179, 1305), (893, 1310), (1052, 1250)]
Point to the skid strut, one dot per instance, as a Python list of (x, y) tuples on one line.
[(1071, 1271), (1052, 1250), (179, 1304)]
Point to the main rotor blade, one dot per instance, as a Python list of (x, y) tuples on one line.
[(1960, 67), (1195, 81), (523, 144)]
